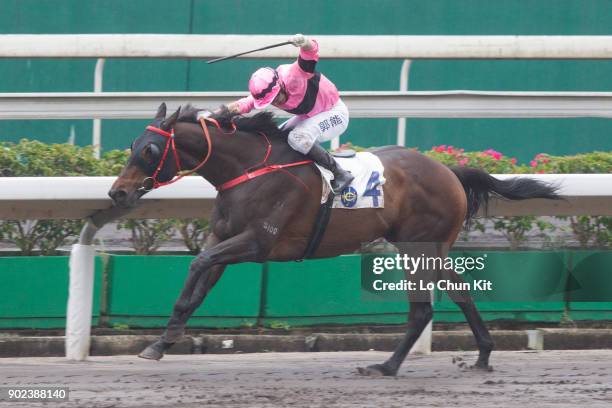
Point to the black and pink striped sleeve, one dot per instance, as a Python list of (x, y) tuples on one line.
[(307, 60)]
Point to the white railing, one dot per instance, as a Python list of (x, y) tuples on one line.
[(361, 104), (79, 197), (332, 46)]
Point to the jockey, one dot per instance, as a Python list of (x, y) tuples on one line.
[(320, 114)]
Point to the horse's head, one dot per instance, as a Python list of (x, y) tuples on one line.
[(148, 164)]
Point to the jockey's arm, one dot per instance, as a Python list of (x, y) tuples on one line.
[(234, 108), (243, 105), (309, 55), (246, 104), (300, 40)]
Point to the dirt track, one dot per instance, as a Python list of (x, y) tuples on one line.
[(524, 379)]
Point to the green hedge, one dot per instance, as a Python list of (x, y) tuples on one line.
[(33, 158), (495, 162)]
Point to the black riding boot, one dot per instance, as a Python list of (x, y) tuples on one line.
[(342, 178)]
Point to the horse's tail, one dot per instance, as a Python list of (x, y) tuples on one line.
[(479, 185)]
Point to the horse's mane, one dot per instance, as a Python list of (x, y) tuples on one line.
[(261, 122)]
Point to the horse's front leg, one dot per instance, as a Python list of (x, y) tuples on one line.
[(204, 272)]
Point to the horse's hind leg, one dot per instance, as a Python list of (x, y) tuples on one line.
[(463, 299), (419, 316)]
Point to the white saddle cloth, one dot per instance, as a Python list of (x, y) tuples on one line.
[(366, 189)]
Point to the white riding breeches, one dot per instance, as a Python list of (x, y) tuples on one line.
[(319, 128)]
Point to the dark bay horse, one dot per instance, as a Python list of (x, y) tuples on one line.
[(271, 217)]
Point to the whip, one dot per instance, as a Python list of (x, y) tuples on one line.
[(248, 52)]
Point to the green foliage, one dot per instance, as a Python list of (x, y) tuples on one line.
[(279, 325), (489, 160), (495, 162), (33, 158), (592, 231), (589, 231), (113, 162), (148, 235), (8, 160), (194, 233), (247, 325), (515, 229), (595, 162), (44, 236)]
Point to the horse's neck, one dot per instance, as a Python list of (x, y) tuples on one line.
[(244, 150), (232, 154)]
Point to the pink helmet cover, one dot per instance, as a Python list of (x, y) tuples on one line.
[(264, 86)]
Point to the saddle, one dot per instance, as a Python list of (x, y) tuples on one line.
[(345, 154), (364, 192)]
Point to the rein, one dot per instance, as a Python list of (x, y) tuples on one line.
[(248, 175)]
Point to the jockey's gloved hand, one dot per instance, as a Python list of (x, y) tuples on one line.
[(299, 40), (204, 114)]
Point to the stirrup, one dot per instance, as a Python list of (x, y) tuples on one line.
[(337, 188)]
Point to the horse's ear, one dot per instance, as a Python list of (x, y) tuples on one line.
[(161, 111), (171, 120)]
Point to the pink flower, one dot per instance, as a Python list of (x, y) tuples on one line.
[(449, 149), (513, 160), (541, 171), (463, 161), (440, 148), (545, 160), (490, 152), (533, 163), (539, 155)]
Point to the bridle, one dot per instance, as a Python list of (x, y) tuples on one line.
[(249, 174), (170, 145)]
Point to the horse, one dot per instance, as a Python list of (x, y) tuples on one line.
[(269, 216)]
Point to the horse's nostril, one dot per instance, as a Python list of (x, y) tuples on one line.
[(117, 195)]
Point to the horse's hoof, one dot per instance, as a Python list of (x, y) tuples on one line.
[(150, 353), (482, 367), (376, 370)]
